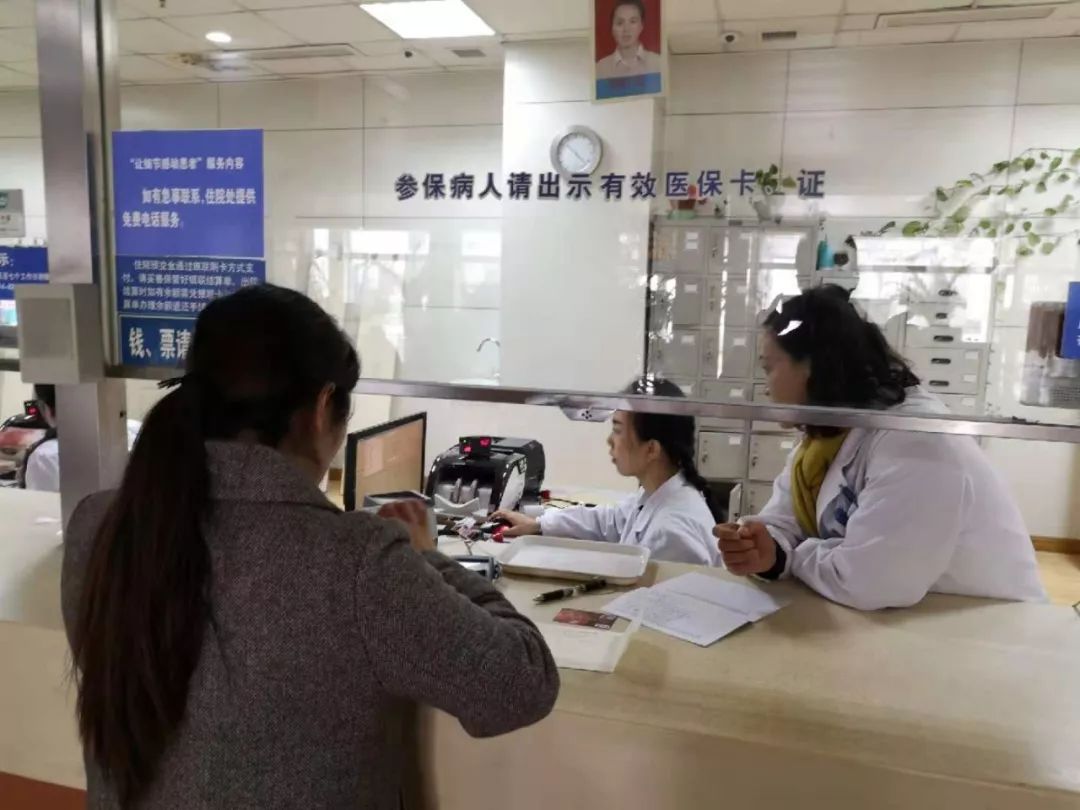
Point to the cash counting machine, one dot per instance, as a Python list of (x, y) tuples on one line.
[(483, 473)]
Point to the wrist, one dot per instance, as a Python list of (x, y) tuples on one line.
[(779, 564)]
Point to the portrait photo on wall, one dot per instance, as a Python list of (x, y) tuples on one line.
[(628, 48)]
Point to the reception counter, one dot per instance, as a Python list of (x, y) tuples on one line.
[(956, 703)]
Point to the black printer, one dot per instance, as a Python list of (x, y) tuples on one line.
[(485, 473)]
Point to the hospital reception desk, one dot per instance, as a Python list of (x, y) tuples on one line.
[(956, 703)]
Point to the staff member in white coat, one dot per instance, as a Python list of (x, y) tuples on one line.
[(874, 518), (670, 514)]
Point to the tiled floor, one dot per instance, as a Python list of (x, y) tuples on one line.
[(1061, 576)]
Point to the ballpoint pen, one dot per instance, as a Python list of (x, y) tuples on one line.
[(566, 593)]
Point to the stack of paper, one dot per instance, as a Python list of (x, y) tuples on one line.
[(696, 607)]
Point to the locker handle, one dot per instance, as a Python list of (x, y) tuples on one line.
[(946, 293), (941, 316), (939, 383), (944, 338), (940, 361)]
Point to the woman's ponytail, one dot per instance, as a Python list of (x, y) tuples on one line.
[(140, 623)]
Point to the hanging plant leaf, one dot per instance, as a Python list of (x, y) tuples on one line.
[(939, 192), (1010, 227), (1029, 164), (992, 233), (1000, 166), (774, 169), (1016, 165), (1004, 190), (985, 224), (1055, 163), (1050, 212), (913, 228), (964, 184), (789, 182), (1034, 239), (952, 227), (1026, 226), (960, 214), (1040, 187), (1023, 250), (1074, 158), (1047, 248), (1043, 155), (1062, 178)]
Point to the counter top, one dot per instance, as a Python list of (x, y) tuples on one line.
[(31, 553)]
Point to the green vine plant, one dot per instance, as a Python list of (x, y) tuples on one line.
[(1046, 171), (770, 183)]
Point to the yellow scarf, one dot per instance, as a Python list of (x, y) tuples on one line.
[(812, 462)]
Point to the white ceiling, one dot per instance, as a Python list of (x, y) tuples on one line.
[(153, 34)]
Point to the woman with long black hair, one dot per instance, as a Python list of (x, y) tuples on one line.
[(672, 513), (874, 518), (238, 641)]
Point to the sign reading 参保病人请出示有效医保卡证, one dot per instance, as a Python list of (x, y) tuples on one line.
[(189, 228), (709, 184)]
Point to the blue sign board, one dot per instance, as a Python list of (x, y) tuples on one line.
[(189, 228), (22, 265), (1070, 333)]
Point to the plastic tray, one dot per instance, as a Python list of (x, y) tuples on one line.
[(563, 558)]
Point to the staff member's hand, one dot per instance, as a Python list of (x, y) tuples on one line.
[(519, 524), (414, 515), (747, 549)]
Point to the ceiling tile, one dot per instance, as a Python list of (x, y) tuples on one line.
[(143, 69), (905, 36), (772, 9), (697, 43), (858, 22), (180, 8), (15, 13), (304, 67), (530, 16), (247, 29), (329, 24), (805, 26), (259, 5), (154, 36), (17, 44), (685, 11), (233, 71), (1018, 29)]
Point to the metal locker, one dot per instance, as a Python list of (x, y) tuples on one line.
[(678, 357), (732, 249), (769, 454), (731, 358), (727, 301), (675, 301), (723, 391), (692, 249), (757, 498), (721, 455)]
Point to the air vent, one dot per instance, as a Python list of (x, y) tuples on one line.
[(778, 36), (468, 53), (973, 15)]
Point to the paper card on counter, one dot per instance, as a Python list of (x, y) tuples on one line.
[(585, 648), (751, 602), (685, 617)]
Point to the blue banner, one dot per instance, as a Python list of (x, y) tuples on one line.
[(189, 229), (1070, 333), (22, 265), (629, 86), (189, 193)]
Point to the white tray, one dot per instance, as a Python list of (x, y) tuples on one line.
[(563, 558)]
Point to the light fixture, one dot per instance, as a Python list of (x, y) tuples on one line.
[(429, 19), (219, 37)]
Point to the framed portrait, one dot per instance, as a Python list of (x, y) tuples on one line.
[(629, 52)]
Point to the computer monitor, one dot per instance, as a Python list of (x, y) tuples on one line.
[(385, 458)]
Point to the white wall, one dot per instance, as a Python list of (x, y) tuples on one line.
[(888, 125)]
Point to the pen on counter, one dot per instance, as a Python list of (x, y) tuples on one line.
[(567, 593)]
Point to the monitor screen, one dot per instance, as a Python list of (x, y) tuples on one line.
[(385, 458)]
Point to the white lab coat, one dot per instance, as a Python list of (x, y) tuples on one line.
[(43, 466), (674, 523), (905, 514)]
